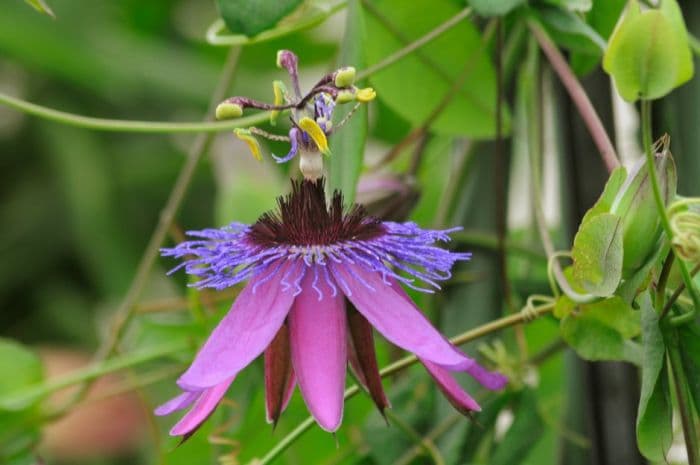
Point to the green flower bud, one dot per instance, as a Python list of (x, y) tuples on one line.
[(635, 204), (345, 96), (344, 77), (227, 110), (685, 223)]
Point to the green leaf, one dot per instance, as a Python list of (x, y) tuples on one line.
[(571, 31), (601, 330), (563, 307), (23, 367), (494, 7), (598, 254), (690, 354), (572, 5), (251, 17), (654, 429), (606, 199), (348, 144), (648, 53), (41, 7), (523, 434), (391, 25)]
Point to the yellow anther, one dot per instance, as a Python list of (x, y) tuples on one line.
[(316, 133), (279, 90), (365, 95), (252, 142)]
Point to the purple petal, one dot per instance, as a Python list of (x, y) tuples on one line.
[(396, 317), (293, 140), (319, 352), (454, 393), (205, 405), (180, 402), (250, 325), (489, 379)]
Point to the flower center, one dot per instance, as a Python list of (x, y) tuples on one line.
[(304, 218)]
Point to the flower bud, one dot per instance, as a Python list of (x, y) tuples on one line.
[(228, 110), (344, 77), (387, 196), (685, 223), (345, 96), (635, 204)]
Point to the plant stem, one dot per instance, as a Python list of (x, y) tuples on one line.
[(106, 124), (677, 293), (663, 279), (125, 311), (92, 372), (424, 443), (481, 331), (660, 204), (685, 409), (578, 96)]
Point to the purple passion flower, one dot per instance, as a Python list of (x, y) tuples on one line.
[(318, 278)]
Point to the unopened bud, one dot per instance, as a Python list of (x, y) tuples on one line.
[(685, 224), (228, 110), (345, 96), (344, 77), (635, 204)]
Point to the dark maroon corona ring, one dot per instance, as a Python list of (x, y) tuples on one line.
[(303, 263)]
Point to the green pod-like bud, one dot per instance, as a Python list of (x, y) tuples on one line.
[(345, 96), (344, 77), (635, 205), (228, 110)]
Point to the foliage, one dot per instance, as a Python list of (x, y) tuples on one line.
[(469, 128)]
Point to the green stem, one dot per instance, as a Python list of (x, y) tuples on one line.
[(424, 443), (663, 280), (677, 293), (106, 124), (481, 331), (127, 307), (690, 433), (90, 373), (660, 204)]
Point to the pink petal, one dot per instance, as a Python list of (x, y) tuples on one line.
[(319, 352), (396, 316), (454, 393), (489, 379), (243, 334), (184, 400), (205, 405)]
